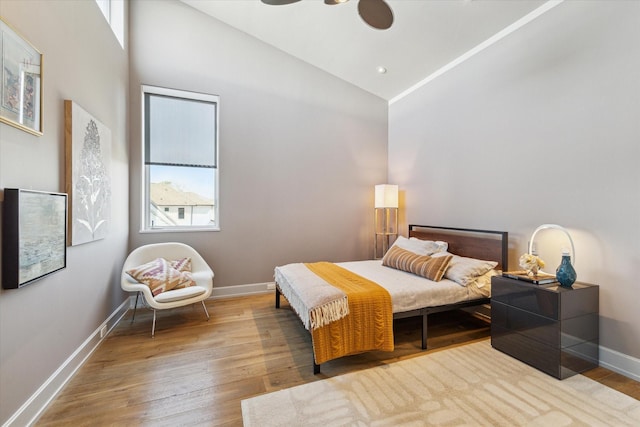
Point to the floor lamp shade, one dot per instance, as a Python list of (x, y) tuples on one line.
[(386, 196), (386, 217)]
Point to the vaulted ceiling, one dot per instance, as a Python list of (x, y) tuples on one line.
[(425, 35)]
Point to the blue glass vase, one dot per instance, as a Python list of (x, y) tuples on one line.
[(565, 273)]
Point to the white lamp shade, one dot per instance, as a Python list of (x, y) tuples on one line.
[(386, 196)]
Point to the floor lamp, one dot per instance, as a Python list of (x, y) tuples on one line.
[(386, 218)]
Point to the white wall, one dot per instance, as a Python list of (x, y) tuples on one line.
[(300, 150), (542, 127), (42, 324)]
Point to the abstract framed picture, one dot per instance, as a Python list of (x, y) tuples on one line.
[(21, 85), (87, 175), (34, 241)]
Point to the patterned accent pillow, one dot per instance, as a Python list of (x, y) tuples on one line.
[(184, 266), (160, 276), (422, 265)]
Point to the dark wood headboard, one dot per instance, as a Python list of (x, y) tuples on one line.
[(480, 244)]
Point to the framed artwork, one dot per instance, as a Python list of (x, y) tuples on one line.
[(21, 85), (34, 241), (87, 175)]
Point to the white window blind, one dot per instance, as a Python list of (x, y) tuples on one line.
[(183, 131)]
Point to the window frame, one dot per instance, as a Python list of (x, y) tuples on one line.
[(113, 12), (105, 8), (145, 220)]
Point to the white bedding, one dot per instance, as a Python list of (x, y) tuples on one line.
[(408, 291)]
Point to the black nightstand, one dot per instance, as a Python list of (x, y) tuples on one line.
[(551, 328)]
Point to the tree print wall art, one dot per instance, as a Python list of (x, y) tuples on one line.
[(88, 160)]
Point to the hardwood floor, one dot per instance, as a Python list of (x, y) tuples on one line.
[(195, 373)]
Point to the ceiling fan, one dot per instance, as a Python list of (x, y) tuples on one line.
[(376, 13)]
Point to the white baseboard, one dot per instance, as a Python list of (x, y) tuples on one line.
[(243, 290), (31, 410), (620, 363)]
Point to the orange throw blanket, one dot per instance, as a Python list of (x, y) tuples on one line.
[(369, 324)]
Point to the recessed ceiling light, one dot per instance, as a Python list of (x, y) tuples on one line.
[(381, 70)]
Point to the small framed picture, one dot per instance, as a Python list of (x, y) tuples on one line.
[(21, 85)]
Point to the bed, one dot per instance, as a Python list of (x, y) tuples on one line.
[(322, 304)]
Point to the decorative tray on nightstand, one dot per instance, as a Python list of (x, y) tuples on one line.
[(538, 279)]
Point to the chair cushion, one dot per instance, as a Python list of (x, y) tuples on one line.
[(180, 294), (160, 276)]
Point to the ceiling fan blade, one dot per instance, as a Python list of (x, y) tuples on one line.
[(278, 2), (376, 13), (332, 2)]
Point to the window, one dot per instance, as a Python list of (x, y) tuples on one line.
[(113, 11), (180, 156)]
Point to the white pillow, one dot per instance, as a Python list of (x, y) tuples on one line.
[(442, 246), (417, 246), (485, 279), (463, 270)]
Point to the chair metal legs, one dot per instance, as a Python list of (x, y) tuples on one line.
[(135, 307), (205, 309), (153, 326)]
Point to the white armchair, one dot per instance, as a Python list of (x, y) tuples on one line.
[(202, 275)]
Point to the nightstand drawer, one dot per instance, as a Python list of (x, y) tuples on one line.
[(579, 329), (539, 328), (563, 334), (532, 298), (560, 363), (543, 357)]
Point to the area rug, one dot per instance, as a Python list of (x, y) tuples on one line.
[(470, 385)]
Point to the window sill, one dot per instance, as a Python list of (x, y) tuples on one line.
[(178, 230)]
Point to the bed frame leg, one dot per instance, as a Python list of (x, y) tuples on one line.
[(277, 297), (424, 331), (316, 368)]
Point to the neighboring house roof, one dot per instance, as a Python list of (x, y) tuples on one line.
[(166, 194)]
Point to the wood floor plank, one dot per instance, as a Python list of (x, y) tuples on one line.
[(195, 372)]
